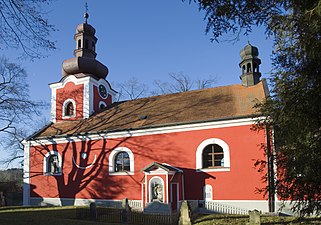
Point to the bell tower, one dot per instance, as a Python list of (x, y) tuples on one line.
[(250, 65), (83, 88)]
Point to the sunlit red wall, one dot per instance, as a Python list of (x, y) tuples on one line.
[(62, 94), (177, 149)]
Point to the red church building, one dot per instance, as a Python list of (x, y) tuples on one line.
[(196, 146)]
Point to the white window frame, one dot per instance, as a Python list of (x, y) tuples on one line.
[(111, 160), (199, 155), (64, 116), (46, 162), (208, 189)]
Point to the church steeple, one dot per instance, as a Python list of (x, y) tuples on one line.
[(85, 39), (85, 53), (250, 65), (83, 88)]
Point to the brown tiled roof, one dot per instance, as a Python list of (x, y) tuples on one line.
[(180, 108)]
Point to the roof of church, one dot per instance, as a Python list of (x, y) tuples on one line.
[(212, 104)]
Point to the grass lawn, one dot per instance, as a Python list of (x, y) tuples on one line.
[(67, 215), (42, 216), (239, 220)]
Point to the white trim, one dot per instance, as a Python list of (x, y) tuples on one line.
[(149, 189), (160, 172), (83, 167), (88, 99), (53, 106), (111, 161), (26, 174), (150, 131), (177, 194), (199, 158), (45, 164), (167, 188), (64, 105), (146, 190), (70, 78), (208, 189)]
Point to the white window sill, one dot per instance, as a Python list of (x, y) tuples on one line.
[(220, 169), (68, 117), (121, 173)]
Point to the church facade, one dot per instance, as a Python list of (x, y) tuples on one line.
[(196, 146)]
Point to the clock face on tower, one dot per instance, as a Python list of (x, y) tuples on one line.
[(102, 91)]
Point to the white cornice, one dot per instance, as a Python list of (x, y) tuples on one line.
[(146, 131)]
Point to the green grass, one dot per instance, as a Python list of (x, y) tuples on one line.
[(67, 216), (239, 220), (42, 216)]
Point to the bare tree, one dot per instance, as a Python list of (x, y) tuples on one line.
[(132, 89), (180, 82), (23, 26), (16, 108)]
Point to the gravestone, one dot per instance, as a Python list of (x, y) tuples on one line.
[(184, 218), (255, 217)]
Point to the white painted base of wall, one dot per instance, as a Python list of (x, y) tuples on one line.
[(135, 204)]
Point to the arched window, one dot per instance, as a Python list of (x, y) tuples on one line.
[(79, 44), (213, 155), (69, 108), (249, 69), (52, 163), (122, 162)]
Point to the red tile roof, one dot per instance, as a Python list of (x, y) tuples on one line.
[(210, 104)]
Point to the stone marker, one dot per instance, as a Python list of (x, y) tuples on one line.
[(255, 217), (184, 218)]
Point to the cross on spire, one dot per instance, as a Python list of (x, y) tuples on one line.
[(86, 15)]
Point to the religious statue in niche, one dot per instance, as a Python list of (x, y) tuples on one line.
[(157, 192)]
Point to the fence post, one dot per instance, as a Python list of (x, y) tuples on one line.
[(93, 211), (125, 210)]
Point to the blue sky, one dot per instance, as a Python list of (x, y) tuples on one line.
[(146, 39)]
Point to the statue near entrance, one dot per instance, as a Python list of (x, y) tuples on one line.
[(157, 192)]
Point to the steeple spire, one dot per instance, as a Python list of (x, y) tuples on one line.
[(86, 15), (85, 53), (250, 65)]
